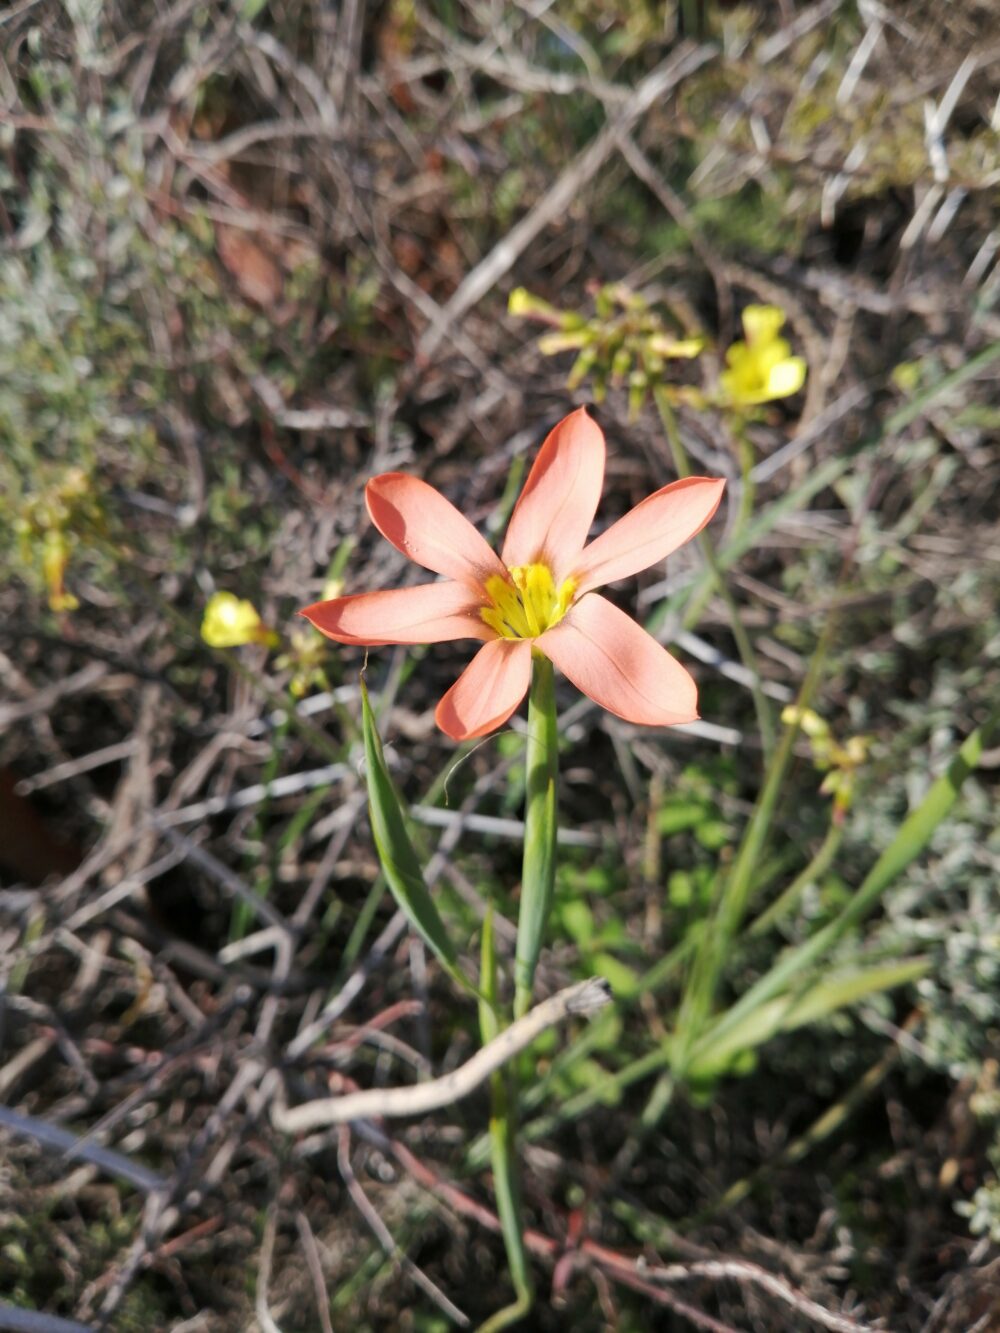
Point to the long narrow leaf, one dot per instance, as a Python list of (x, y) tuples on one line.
[(909, 842), (913, 836), (791, 1011), (400, 863)]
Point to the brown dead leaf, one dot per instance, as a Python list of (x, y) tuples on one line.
[(30, 850), (256, 273)]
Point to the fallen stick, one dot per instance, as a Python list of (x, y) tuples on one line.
[(585, 997)]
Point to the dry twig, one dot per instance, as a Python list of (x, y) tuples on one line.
[(583, 998)]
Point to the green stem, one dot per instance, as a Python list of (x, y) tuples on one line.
[(540, 826), (506, 1186), (816, 869), (748, 489), (503, 1141), (743, 645)]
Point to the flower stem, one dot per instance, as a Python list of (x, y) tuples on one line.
[(503, 1141), (540, 824), (748, 487), (742, 639), (814, 871), (537, 880)]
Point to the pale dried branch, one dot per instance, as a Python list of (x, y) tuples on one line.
[(583, 998), (739, 1270), (384, 1235)]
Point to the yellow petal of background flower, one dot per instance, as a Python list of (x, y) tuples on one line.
[(761, 323)]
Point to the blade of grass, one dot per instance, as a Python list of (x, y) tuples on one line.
[(259, 873), (808, 875), (793, 1011), (714, 942), (359, 932)]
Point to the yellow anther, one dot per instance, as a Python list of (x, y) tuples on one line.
[(530, 605)]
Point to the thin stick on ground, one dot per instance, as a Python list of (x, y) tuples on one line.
[(585, 997), (384, 1235), (315, 1266)]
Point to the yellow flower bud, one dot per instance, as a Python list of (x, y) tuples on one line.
[(663, 345), (55, 555), (906, 376), (809, 722), (522, 302)]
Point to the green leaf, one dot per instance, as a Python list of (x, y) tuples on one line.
[(680, 813), (503, 1139), (712, 834), (914, 835), (847, 988), (790, 1012), (395, 852), (624, 981), (577, 920)]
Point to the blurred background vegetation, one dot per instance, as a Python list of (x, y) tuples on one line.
[(251, 253)]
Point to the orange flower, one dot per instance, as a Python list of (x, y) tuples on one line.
[(538, 594)]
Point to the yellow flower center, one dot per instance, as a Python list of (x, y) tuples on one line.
[(530, 606)]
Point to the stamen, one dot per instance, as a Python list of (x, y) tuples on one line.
[(529, 605)]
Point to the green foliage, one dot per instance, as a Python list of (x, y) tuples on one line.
[(127, 351), (28, 1278), (137, 460), (818, 1002), (83, 384), (399, 861), (947, 904), (983, 1209), (595, 928), (786, 978)]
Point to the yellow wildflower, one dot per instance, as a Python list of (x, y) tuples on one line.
[(762, 368), (231, 622)]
